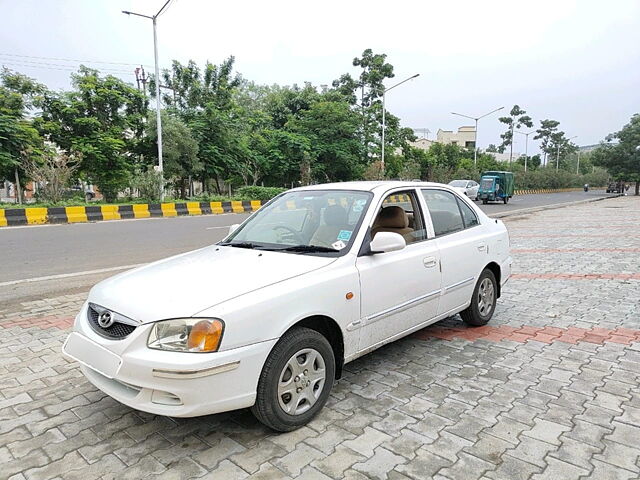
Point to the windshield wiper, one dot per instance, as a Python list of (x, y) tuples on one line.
[(240, 245), (308, 248)]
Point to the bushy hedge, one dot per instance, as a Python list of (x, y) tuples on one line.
[(259, 193), (538, 179)]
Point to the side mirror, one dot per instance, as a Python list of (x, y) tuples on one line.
[(233, 228), (387, 242)]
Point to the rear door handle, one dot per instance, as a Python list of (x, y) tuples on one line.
[(482, 247), (429, 262)]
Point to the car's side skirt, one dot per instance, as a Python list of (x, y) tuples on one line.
[(406, 332)]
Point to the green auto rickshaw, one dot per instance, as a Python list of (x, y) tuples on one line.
[(496, 186)]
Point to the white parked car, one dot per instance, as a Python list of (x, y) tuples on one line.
[(467, 187), (268, 317)]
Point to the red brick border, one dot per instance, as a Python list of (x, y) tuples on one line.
[(61, 323), (525, 333)]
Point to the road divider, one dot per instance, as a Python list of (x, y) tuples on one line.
[(554, 190), (94, 213)]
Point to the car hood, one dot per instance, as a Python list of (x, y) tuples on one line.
[(186, 284)]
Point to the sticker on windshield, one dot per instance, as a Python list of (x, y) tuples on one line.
[(345, 235), (357, 208), (339, 245)]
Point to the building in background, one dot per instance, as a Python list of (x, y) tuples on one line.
[(465, 137)]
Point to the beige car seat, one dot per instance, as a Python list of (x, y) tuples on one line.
[(335, 219), (393, 219)]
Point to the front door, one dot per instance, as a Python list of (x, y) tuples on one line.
[(399, 290)]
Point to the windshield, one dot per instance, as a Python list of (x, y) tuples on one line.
[(313, 221), (486, 183), (458, 183)]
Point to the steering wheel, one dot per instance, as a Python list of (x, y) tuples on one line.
[(296, 236)]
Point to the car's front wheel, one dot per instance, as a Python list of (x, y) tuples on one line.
[(295, 381), (483, 301)]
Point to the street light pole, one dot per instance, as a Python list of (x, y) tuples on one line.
[(475, 119), (384, 93), (526, 146), (158, 116), (157, 72)]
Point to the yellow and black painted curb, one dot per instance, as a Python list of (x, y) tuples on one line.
[(93, 213), (553, 190)]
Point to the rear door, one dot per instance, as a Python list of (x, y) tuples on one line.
[(463, 249), (399, 290)]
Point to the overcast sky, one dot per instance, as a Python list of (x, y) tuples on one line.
[(573, 61)]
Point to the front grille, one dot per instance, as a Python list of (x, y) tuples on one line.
[(117, 331)]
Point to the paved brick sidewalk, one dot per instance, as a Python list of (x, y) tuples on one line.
[(550, 389)]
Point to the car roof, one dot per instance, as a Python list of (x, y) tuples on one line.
[(369, 186)]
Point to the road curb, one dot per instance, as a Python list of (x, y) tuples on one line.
[(523, 211), (10, 217)]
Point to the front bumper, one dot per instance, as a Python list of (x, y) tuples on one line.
[(175, 384)]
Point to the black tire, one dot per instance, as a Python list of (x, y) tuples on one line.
[(472, 315), (505, 200), (267, 408), (485, 201)]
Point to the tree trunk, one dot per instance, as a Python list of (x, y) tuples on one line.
[(18, 188), (638, 187)]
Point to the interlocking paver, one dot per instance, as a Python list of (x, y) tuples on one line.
[(549, 389), (379, 464), (340, 460)]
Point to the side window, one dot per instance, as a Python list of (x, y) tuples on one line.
[(400, 213), (468, 215), (444, 211)]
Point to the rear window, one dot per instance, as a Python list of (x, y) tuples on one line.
[(444, 211)]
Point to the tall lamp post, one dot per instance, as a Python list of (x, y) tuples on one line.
[(526, 146), (475, 119), (384, 93), (153, 18), (558, 152)]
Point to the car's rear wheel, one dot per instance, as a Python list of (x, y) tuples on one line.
[(295, 381), (483, 301)]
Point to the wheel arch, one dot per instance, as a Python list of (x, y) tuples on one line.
[(495, 269), (330, 329)]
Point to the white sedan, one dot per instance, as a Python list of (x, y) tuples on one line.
[(268, 317), (467, 187)]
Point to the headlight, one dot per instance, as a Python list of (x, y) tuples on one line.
[(186, 335)]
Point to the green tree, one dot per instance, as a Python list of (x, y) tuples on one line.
[(533, 161), (179, 151), (620, 153), (492, 148), (514, 121), (369, 87), (548, 128), (331, 128), (103, 120), (205, 101), (20, 142)]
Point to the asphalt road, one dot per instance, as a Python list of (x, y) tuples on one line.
[(39, 261)]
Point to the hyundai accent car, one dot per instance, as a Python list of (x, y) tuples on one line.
[(467, 187), (268, 317)]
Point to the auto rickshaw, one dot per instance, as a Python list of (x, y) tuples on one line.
[(496, 186)]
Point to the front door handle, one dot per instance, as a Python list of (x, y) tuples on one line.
[(429, 262)]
